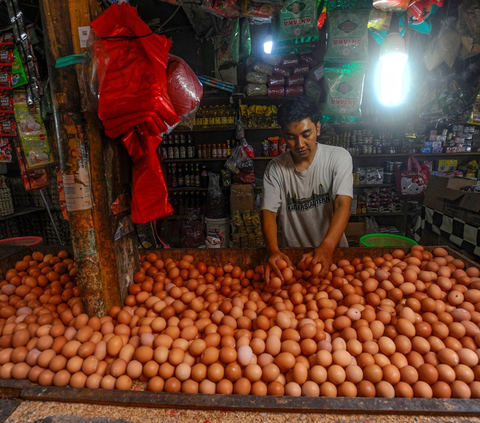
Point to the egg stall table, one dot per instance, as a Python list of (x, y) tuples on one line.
[(45, 401)]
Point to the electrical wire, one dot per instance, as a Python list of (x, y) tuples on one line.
[(168, 20)]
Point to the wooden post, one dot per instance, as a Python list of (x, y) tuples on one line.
[(103, 276)]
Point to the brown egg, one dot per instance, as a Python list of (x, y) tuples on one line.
[(441, 389), (428, 373), (460, 390), (108, 382), (422, 390), (78, 380), (403, 390)]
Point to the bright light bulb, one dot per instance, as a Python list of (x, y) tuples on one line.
[(393, 79), (268, 44)]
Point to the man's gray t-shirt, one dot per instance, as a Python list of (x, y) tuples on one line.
[(305, 199)]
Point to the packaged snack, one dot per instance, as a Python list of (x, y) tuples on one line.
[(278, 70), (6, 38), (344, 86), (262, 68), (312, 89), (276, 91), (19, 76), (289, 61), (272, 60), (348, 35), (8, 126), (475, 116), (391, 5), (6, 80), (6, 100), (5, 150), (245, 40), (222, 8), (294, 91), (292, 81), (252, 9), (256, 77), (6, 54), (228, 44), (275, 81), (301, 70), (255, 90)]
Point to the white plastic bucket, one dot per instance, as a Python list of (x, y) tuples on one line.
[(223, 225)]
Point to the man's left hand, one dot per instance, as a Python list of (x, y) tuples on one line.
[(322, 254)]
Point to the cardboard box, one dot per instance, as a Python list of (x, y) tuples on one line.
[(355, 230), (242, 198), (448, 196)]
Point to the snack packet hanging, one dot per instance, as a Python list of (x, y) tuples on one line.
[(348, 35), (5, 150), (475, 116), (245, 40), (19, 76), (228, 44), (344, 87), (252, 9), (222, 8)]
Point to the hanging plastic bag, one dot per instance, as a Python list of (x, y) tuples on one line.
[(150, 195), (475, 116), (391, 5), (347, 35), (297, 21), (228, 44), (245, 40), (215, 197), (184, 89), (222, 8), (134, 88), (412, 182), (344, 87)]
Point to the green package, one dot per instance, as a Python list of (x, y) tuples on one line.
[(31, 131), (245, 40), (347, 35), (344, 87), (297, 20), (228, 44), (18, 72)]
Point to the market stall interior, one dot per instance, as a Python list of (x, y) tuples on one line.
[(134, 140)]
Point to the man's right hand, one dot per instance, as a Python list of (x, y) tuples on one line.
[(271, 265)]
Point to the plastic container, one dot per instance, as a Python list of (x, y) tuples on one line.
[(386, 240), (25, 241), (223, 226)]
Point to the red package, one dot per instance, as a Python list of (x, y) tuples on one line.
[(275, 81), (8, 127), (294, 91), (32, 179), (6, 38), (6, 54), (5, 150), (184, 89), (278, 70), (6, 100), (6, 80), (301, 70), (289, 61), (293, 81), (276, 92)]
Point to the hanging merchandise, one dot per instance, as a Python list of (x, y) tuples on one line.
[(251, 9), (347, 35), (379, 24), (5, 150), (31, 131), (344, 87), (228, 44), (245, 40), (19, 77), (25, 49), (412, 182), (468, 26), (222, 8), (184, 90), (420, 21), (32, 179), (475, 115), (391, 5), (443, 48), (448, 101), (215, 197), (134, 102), (296, 22)]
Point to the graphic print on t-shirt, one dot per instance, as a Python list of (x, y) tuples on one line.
[(318, 198)]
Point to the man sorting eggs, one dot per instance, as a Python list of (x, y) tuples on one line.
[(310, 187)]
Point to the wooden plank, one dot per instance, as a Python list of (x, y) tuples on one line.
[(438, 407), (11, 388)]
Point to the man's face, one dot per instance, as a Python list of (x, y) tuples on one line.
[(301, 138)]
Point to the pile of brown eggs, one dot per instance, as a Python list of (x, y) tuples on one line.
[(391, 326)]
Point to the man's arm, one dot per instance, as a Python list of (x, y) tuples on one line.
[(324, 252), (270, 234)]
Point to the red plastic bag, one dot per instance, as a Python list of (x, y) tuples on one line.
[(150, 195), (184, 89), (412, 182), (134, 88)]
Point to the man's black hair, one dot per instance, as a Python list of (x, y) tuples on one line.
[(297, 109)]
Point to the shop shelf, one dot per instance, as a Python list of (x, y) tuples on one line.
[(377, 214), (192, 160), (23, 212), (178, 130), (373, 185), (423, 155)]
